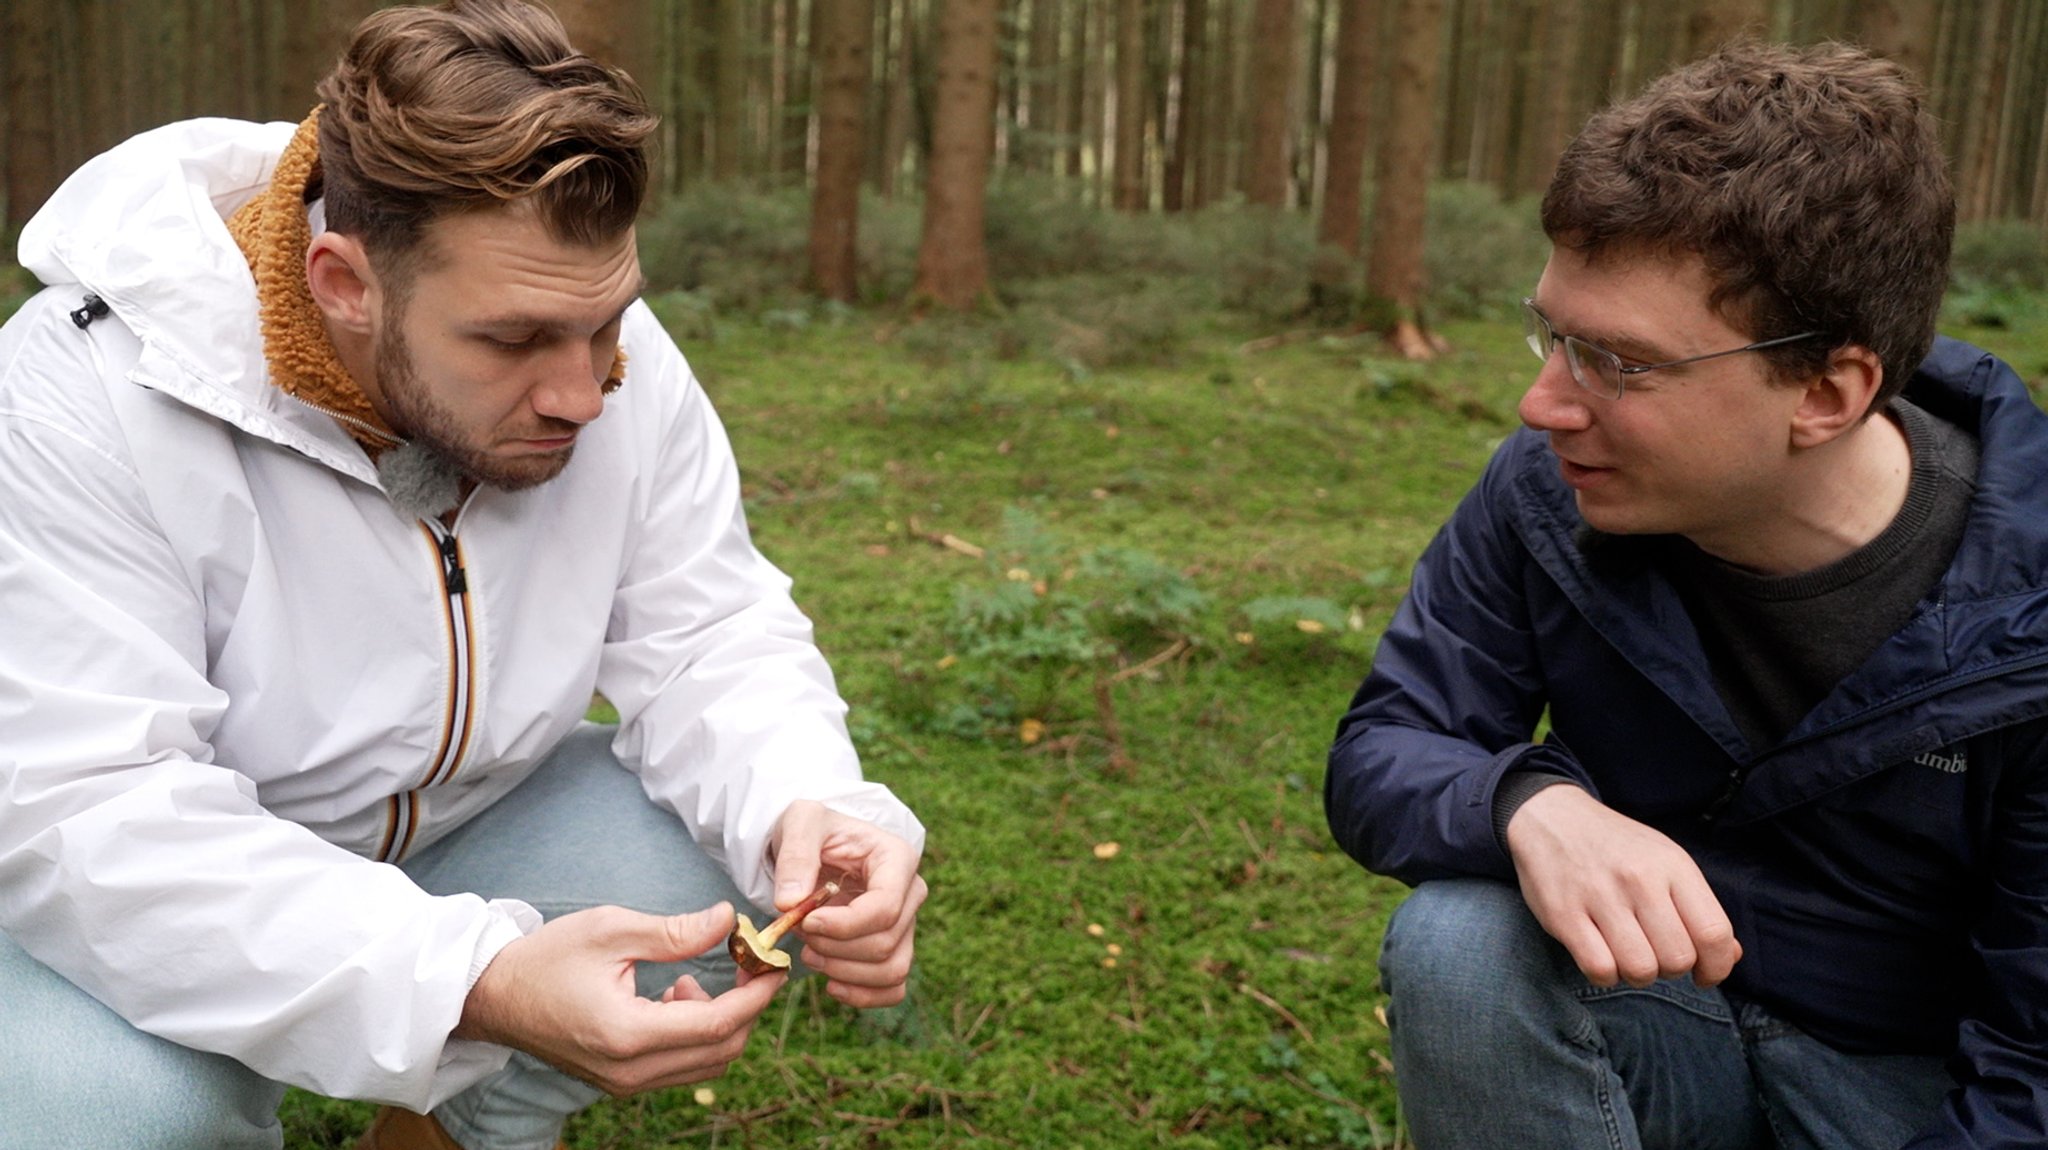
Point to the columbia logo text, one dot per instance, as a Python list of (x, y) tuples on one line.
[(1954, 764)]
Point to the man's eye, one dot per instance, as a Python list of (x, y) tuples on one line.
[(519, 344)]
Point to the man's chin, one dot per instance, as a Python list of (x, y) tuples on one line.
[(522, 472)]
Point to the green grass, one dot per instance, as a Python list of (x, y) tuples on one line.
[(1287, 481), (1240, 1009)]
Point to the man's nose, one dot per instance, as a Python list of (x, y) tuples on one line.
[(1555, 401), (572, 389)]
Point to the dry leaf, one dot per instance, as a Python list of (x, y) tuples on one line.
[(948, 661), (1030, 731), (1245, 637)]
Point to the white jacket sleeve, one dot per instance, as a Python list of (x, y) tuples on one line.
[(726, 706), (136, 867)]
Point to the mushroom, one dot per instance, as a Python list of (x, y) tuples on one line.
[(755, 951)]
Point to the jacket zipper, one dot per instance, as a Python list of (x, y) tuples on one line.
[(459, 722), (351, 420)]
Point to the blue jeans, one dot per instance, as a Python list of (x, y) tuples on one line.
[(1499, 1041), (579, 833)]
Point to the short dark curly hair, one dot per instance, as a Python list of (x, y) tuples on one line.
[(471, 104), (1810, 180)]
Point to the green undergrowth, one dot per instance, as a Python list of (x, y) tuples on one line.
[(1097, 585)]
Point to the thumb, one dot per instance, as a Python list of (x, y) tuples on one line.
[(672, 938), (799, 841)]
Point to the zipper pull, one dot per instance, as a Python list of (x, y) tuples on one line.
[(458, 583), (1727, 795)]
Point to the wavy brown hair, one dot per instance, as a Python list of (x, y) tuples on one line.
[(472, 104), (1810, 180)]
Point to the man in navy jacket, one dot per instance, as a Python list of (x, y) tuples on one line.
[(1713, 733)]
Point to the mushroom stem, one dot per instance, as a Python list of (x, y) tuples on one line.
[(817, 898)]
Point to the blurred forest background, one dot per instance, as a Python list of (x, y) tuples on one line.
[(1333, 134), (1048, 333)]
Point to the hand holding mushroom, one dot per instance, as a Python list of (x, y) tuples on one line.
[(755, 951), (863, 946)]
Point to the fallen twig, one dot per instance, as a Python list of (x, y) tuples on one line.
[(1273, 1004)]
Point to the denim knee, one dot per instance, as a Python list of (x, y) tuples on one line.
[(1456, 941), (73, 1073)]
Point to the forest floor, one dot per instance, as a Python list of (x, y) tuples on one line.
[(1139, 930), (1096, 627)]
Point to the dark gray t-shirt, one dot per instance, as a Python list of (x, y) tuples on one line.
[(1778, 644)]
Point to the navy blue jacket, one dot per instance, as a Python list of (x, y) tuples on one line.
[(1885, 865)]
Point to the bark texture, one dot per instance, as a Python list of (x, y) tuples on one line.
[(952, 257), (841, 34)]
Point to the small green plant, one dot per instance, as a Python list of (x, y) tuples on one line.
[(1292, 626), (1049, 620)]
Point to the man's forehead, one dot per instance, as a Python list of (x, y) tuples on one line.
[(1646, 302), (505, 258)]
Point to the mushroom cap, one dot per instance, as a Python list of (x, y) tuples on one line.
[(744, 944)]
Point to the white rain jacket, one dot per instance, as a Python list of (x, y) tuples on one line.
[(235, 681)]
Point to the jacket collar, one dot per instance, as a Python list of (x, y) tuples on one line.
[(143, 226), (273, 233), (1973, 658)]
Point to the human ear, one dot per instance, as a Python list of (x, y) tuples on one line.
[(343, 284), (1838, 399)]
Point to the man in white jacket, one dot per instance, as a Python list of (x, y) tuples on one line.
[(341, 467)]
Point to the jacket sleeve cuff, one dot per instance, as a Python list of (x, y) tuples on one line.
[(1515, 788)]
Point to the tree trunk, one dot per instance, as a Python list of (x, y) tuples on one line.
[(1101, 78), (1979, 130), (1042, 91), (1337, 233), (1218, 94), (793, 100), (1312, 160), (1128, 186), (1183, 155), (1716, 22), (1275, 57), (1551, 126), (1075, 122), (1901, 30), (312, 41), (29, 145), (902, 88), (729, 94), (840, 37), (1394, 276), (616, 33), (952, 258)]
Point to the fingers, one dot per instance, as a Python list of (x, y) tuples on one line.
[(686, 989), (1642, 940), (1706, 923), (685, 1038), (872, 969), (1627, 902)]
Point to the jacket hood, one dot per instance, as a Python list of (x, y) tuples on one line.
[(144, 227)]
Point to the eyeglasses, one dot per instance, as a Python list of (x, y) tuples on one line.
[(1601, 371)]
